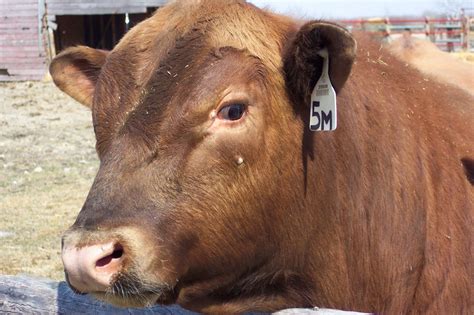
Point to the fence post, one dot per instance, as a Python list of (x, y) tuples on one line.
[(387, 29), (464, 30)]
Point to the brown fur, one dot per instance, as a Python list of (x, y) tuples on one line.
[(376, 216), (77, 70)]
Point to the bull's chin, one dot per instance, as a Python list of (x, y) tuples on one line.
[(128, 290), (140, 301), (135, 301)]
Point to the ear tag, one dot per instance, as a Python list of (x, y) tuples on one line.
[(323, 108)]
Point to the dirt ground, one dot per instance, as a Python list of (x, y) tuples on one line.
[(47, 164)]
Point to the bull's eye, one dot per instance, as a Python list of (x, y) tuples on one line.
[(232, 112)]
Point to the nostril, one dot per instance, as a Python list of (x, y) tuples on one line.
[(116, 254)]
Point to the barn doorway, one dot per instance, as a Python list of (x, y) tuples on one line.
[(96, 31)]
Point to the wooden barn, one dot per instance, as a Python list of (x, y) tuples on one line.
[(33, 31)]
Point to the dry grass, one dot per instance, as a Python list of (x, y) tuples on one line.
[(47, 164), (466, 56)]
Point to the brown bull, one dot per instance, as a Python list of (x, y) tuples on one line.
[(213, 193), (434, 63)]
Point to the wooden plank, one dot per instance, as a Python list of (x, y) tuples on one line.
[(18, 78), (26, 48), (17, 13), (19, 69), (85, 5), (25, 60), (25, 69), (19, 42), (76, 7), (14, 70), (20, 54), (19, 36), (38, 71), (116, 2), (23, 63), (18, 6), (23, 295), (113, 2), (110, 2), (17, 19), (19, 26), (96, 10), (22, 31), (18, 31), (10, 2), (155, 3), (24, 55), (27, 57), (105, 3), (24, 19)]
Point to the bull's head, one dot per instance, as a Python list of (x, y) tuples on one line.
[(199, 197)]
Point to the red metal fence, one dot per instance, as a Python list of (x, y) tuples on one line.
[(448, 34)]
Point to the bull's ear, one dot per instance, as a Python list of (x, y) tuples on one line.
[(303, 64), (76, 70)]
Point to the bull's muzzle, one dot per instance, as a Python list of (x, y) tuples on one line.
[(91, 268)]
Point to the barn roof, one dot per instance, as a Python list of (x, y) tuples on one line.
[(85, 7)]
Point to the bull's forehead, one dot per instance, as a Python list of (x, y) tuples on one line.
[(180, 34), (217, 23), (232, 23)]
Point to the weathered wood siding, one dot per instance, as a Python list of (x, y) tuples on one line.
[(22, 56), (86, 7), (22, 51)]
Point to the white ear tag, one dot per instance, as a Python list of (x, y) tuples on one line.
[(323, 108)]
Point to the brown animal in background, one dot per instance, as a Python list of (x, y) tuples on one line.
[(431, 61), (212, 192)]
